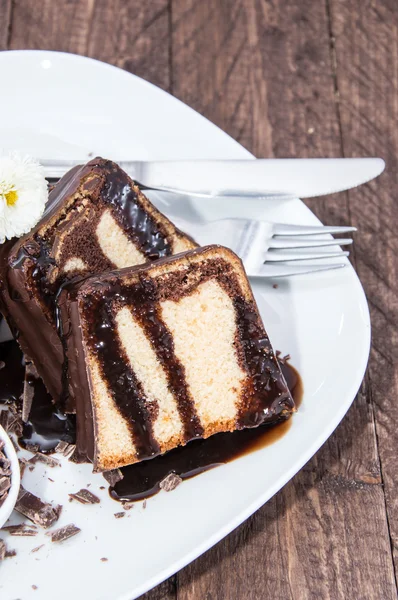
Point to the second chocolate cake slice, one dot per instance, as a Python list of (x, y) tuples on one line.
[(167, 353), (96, 219)]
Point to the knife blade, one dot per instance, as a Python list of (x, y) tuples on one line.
[(261, 177)]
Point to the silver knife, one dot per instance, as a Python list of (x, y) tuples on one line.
[(261, 177)]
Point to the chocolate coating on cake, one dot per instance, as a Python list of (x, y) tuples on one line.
[(90, 308), (66, 244)]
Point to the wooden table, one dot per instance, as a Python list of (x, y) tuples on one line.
[(285, 78)]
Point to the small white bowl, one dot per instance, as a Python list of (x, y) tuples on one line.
[(7, 507)]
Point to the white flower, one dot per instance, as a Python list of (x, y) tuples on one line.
[(23, 195)]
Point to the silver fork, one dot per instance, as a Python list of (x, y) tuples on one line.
[(271, 249)]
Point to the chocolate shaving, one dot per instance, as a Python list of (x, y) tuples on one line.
[(4, 419), (44, 458), (5, 484), (85, 497), (14, 443), (112, 477), (22, 465), (128, 505), (34, 448), (170, 482), (22, 530), (5, 474), (4, 553), (144, 504), (61, 447), (72, 454), (63, 533), (120, 515), (104, 559), (15, 425), (66, 449), (41, 513), (37, 548), (34, 587)]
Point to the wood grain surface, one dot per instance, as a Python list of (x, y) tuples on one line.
[(285, 78)]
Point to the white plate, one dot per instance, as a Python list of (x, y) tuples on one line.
[(63, 105)]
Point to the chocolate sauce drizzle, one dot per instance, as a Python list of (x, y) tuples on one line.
[(142, 300), (140, 226), (122, 383)]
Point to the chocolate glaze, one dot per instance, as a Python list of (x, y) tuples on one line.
[(12, 373), (148, 235), (46, 425), (266, 377), (142, 480)]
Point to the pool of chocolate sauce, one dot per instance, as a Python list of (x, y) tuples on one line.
[(142, 479), (47, 426)]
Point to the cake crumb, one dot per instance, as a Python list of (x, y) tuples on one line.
[(128, 505), (275, 286), (34, 587), (104, 559), (119, 515), (144, 504)]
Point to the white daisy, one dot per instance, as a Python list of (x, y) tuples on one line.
[(23, 194)]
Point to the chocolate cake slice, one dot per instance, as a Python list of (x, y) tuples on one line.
[(165, 353), (96, 219)]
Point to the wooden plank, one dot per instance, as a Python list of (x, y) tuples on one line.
[(5, 20), (48, 25), (366, 40), (134, 36), (263, 72), (129, 34)]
